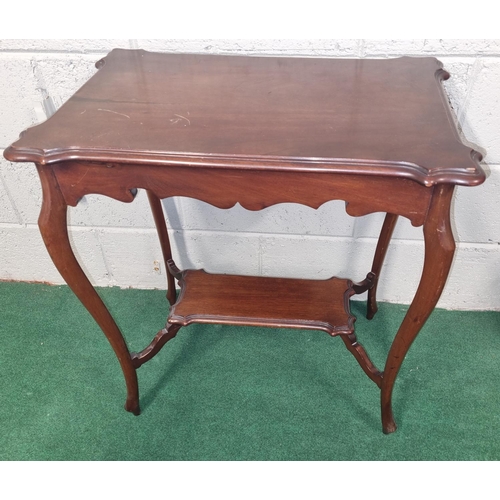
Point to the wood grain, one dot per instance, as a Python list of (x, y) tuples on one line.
[(377, 117), (260, 301)]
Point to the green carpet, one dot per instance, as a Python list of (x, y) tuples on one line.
[(237, 393)]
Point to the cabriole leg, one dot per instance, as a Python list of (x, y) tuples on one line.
[(54, 230), (439, 251)]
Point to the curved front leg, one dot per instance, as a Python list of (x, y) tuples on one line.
[(53, 227), (439, 251)]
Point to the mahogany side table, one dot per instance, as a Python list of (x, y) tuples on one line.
[(258, 131)]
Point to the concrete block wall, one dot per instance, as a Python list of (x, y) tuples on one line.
[(117, 244)]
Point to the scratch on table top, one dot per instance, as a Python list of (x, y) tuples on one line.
[(176, 120), (115, 112)]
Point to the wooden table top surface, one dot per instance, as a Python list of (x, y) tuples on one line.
[(382, 117)]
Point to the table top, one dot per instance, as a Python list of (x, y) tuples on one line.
[(362, 116)]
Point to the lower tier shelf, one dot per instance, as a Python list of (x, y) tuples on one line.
[(257, 301)]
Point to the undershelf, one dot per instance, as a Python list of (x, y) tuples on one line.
[(258, 301)]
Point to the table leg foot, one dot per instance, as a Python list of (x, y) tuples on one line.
[(132, 405), (388, 424)]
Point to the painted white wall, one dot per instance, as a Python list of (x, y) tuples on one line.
[(117, 243)]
